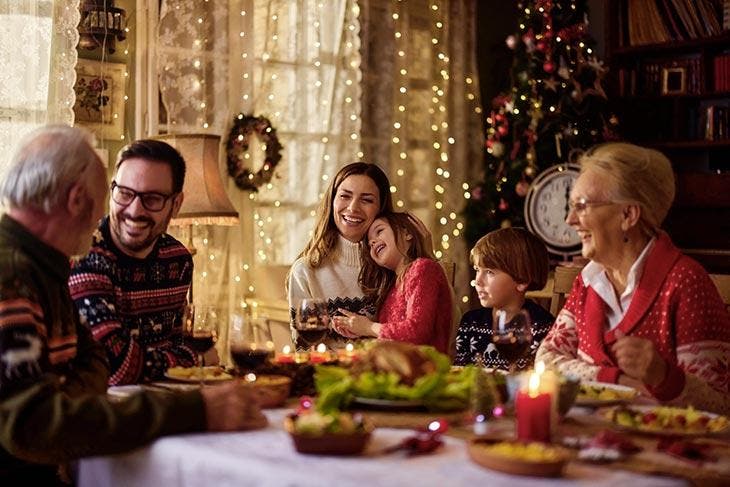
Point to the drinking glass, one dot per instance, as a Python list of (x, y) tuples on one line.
[(512, 336), (251, 343), (201, 331), (312, 321)]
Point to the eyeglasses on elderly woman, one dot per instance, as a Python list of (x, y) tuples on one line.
[(582, 204)]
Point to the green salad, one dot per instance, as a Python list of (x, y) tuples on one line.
[(440, 389)]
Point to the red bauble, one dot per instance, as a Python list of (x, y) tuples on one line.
[(503, 205), (499, 117), (521, 188), (549, 66), (548, 34), (541, 46), (502, 130)]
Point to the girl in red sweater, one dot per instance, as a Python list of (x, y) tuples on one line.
[(413, 297)]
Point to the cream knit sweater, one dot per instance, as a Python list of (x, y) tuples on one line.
[(335, 280)]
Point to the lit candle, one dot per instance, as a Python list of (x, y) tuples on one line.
[(534, 409), (320, 355), (250, 377), (285, 357)]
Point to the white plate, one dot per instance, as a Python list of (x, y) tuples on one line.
[(607, 413), (627, 394), (388, 404)]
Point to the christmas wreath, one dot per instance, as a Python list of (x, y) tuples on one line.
[(239, 139)]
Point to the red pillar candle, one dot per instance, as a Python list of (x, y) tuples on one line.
[(533, 414)]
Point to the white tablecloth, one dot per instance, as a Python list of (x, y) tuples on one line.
[(267, 458)]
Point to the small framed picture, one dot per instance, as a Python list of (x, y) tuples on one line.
[(674, 81), (99, 92)]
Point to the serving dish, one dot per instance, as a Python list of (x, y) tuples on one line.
[(518, 458), (666, 420), (388, 404), (599, 394), (318, 437), (212, 373)]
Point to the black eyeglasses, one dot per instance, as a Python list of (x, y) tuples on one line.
[(151, 201)]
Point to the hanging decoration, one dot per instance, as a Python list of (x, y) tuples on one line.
[(239, 138)]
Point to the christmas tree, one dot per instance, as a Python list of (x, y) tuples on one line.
[(555, 106)]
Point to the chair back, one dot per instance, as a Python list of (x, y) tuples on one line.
[(562, 284), (722, 282), (450, 271)]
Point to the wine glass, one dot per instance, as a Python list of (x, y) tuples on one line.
[(251, 344), (201, 331), (512, 336), (312, 321)]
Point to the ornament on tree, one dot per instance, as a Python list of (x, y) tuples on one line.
[(503, 205), (521, 188), (511, 42), (548, 66), (498, 149)]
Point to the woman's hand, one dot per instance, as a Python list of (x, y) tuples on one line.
[(639, 359), (353, 325)]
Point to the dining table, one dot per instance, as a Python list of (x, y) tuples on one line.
[(267, 457)]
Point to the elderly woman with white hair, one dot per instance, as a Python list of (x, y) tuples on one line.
[(640, 313)]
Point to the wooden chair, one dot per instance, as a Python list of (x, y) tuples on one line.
[(562, 284), (450, 271), (722, 281)]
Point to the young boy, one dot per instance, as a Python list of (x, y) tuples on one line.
[(509, 262)]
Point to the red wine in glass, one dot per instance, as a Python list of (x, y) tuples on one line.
[(200, 342), (250, 358), (312, 321), (510, 347), (512, 336)]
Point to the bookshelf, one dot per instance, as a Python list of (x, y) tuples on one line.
[(669, 82)]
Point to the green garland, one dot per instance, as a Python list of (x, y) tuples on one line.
[(238, 143)]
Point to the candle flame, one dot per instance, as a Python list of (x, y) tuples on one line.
[(540, 367), (250, 377), (533, 387), (286, 349), (349, 347), (321, 348)]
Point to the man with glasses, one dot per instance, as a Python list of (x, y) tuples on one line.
[(131, 288)]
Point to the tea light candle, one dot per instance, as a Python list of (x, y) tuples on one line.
[(286, 356), (533, 409), (320, 355)]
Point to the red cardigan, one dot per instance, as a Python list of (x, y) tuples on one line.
[(418, 309), (676, 306)]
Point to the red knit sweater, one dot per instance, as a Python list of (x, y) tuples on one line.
[(677, 307), (418, 308)]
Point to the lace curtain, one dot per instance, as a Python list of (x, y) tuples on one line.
[(295, 62), (421, 113), (37, 53)]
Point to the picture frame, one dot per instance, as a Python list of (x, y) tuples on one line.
[(674, 81), (99, 104)]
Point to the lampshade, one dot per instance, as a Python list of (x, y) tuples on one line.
[(206, 201)]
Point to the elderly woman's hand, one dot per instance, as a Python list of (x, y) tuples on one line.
[(353, 325), (639, 359)]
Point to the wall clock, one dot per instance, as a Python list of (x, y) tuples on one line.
[(546, 208)]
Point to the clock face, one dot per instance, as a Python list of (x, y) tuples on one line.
[(546, 209)]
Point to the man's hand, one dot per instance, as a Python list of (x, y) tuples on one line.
[(232, 407), (639, 359)]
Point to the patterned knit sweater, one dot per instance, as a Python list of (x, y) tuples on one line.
[(419, 308), (677, 307), (135, 306), (53, 374), (336, 281), (474, 337)]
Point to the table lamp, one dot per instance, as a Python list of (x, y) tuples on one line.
[(206, 201)]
